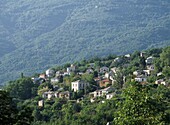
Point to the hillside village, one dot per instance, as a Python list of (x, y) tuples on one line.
[(128, 89), (98, 78)]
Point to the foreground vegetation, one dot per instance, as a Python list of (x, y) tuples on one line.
[(134, 103)]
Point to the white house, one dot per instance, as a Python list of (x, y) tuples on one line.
[(48, 95), (71, 69), (150, 67), (142, 54), (147, 72), (41, 103), (159, 74), (107, 75), (54, 80), (149, 60), (58, 73), (66, 73), (137, 72), (141, 79), (96, 93), (79, 85), (50, 72), (160, 81), (127, 55), (117, 59), (101, 92), (110, 95)]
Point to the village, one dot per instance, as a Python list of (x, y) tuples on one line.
[(96, 91), (103, 83)]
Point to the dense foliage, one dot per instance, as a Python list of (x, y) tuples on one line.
[(35, 35), (10, 114)]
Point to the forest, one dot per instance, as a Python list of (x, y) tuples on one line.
[(35, 35)]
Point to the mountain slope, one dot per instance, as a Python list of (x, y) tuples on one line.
[(38, 34)]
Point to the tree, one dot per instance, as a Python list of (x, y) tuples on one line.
[(22, 88), (119, 76), (24, 116), (139, 106), (88, 78), (165, 56), (166, 71), (7, 109), (10, 114), (142, 62)]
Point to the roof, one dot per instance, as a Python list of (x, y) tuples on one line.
[(106, 80)]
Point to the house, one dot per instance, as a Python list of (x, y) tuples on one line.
[(79, 85), (97, 80), (64, 95), (89, 71), (71, 69), (43, 76), (96, 93), (127, 55), (54, 80), (141, 78), (79, 100), (80, 73), (108, 90), (50, 73), (105, 83), (151, 67), (117, 59), (107, 75), (104, 69), (161, 81), (41, 103), (101, 92), (137, 72), (149, 60), (142, 54), (38, 80), (110, 95), (147, 72), (48, 95), (58, 73), (66, 74), (92, 100), (159, 74)]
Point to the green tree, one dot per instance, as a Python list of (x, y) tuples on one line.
[(7, 109), (22, 88), (165, 57), (10, 114), (119, 76), (24, 116), (88, 78), (166, 71), (141, 106)]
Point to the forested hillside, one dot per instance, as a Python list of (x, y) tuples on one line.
[(37, 34)]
